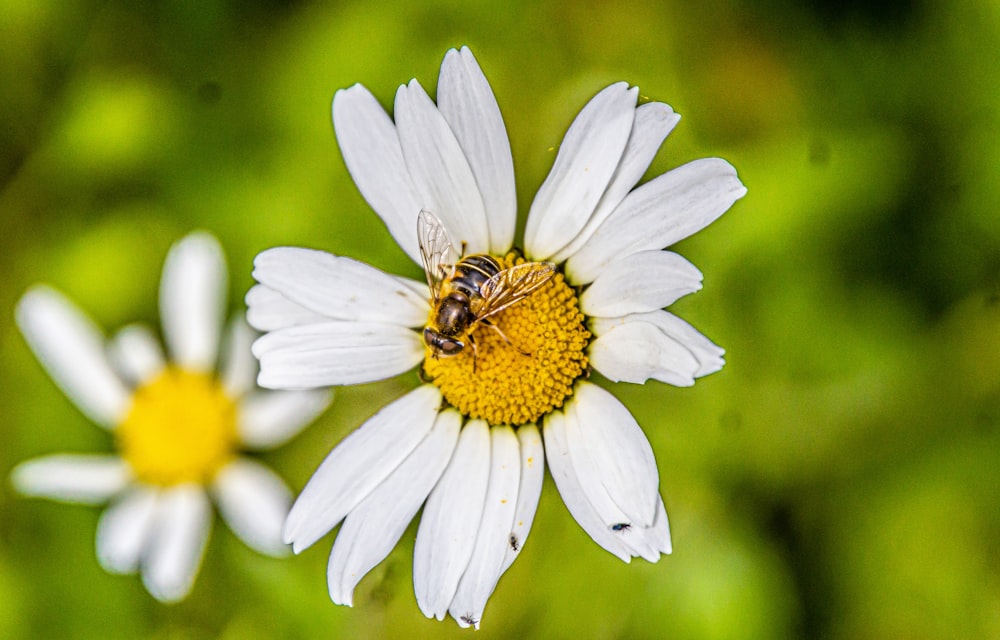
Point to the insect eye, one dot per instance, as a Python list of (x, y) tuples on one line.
[(451, 347)]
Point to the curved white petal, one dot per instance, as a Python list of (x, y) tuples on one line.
[(659, 534), (467, 103), (589, 502), (661, 212), (268, 310), (358, 464), (637, 351), (707, 353), (253, 501), (648, 542), (589, 154), (335, 353), (610, 450), (373, 528), (560, 463), (529, 491), (493, 538), (124, 530), (181, 528), (71, 348), (267, 419), (640, 282), (192, 300), (136, 353), (653, 122), (419, 288), (339, 288), (370, 146), (75, 478), (450, 522), (238, 368), (439, 169)]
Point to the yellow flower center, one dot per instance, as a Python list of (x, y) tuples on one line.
[(519, 381), (181, 428)]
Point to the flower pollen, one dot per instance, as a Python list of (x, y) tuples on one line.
[(181, 428), (519, 381)]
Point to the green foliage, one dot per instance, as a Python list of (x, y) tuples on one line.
[(838, 479)]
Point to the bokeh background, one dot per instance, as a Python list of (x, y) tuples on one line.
[(838, 479)]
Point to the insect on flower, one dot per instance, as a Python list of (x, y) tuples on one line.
[(467, 292), (592, 295)]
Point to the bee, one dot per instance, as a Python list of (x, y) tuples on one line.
[(512, 541), (470, 290)]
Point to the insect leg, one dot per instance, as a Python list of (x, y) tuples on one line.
[(504, 336)]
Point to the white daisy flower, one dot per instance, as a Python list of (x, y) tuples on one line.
[(467, 444), (178, 425)]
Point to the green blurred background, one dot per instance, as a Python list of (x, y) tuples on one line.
[(838, 479)]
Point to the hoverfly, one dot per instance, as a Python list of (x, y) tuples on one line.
[(467, 291)]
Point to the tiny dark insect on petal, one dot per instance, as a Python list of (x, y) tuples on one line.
[(621, 526), (468, 619), (514, 546)]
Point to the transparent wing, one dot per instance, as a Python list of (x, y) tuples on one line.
[(436, 250), (512, 285)]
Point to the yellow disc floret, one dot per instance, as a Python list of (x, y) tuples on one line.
[(519, 381), (181, 428)]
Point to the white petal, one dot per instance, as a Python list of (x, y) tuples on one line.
[(468, 105), (419, 288), (561, 467), (638, 539), (268, 310), (659, 534), (358, 464), (450, 521), (192, 301), (529, 491), (640, 282), (637, 351), (238, 367), (661, 212), (493, 539), (589, 154), (182, 525), (124, 530), (653, 122), (339, 288), (268, 419), (440, 172), (253, 501), (648, 542), (85, 479), (370, 146), (373, 528), (71, 348), (136, 353), (614, 453), (708, 354), (335, 353), (604, 519)]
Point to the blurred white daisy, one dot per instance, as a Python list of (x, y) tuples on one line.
[(178, 425), (467, 441)]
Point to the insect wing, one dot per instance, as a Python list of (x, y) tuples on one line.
[(513, 285), (436, 251)]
